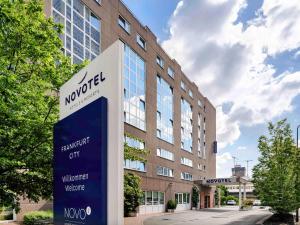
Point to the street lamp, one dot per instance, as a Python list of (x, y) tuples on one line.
[(297, 210)]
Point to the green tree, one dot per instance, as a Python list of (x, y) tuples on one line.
[(224, 193), (32, 68), (274, 177)]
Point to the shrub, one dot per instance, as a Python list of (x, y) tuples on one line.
[(33, 218), (248, 202), (171, 204), (132, 193), (195, 196), (225, 199)]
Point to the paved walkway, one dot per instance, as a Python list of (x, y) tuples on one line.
[(139, 219), (222, 216)]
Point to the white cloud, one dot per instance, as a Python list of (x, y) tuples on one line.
[(297, 54), (228, 62), (241, 148), (224, 165)]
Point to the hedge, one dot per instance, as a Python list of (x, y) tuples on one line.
[(38, 217)]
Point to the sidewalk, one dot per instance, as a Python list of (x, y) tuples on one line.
[(141, 218)]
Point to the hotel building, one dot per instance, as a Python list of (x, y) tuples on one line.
[(162, 106)]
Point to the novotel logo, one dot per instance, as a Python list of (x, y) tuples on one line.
[(219, 180), (77, 213), (85, 86)]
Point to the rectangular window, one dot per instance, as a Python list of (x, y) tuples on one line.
[(78, 35), (95, 21), (134, 164), (153, 198), (149, 198), (78, 49), (164, 119), (186, 125), (191, 93), (182, 198), (124, 24), (171, 72), (81, 25), (161, 196), (200, 104), (164, 171), (160, 61), (141, 41), (182, 85), (134, 83), (186, 161), (59, 6), (186, 176), (165, 154), (78, 20)]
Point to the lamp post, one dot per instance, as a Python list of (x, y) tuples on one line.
[(297, 210)]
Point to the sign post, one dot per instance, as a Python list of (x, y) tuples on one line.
[(88, 144)]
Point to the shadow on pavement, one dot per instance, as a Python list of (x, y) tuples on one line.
[(216, 210), (247, 220)]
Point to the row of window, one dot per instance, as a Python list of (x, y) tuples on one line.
[(184, 87), (163, 171), (81, 37), (142, 43), (158, 198), (134, 102)]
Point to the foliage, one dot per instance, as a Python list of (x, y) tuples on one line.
[(171, 204), (132, 190), (247, 202), (133, 153), (224, 193), (274, 176), (35, 217), (195, 196), (32, 68), (6, 216), (132, 193)]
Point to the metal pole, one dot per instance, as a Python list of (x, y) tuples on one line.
[(244, 192), (248, 167), (297, 210), (219, 197), (240, 196)]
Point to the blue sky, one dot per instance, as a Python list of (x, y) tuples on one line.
[(246, 60)]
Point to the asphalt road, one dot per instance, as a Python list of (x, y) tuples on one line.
[(222, 216)]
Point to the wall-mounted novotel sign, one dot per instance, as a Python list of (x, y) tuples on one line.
[(88, 144), (217, 181)]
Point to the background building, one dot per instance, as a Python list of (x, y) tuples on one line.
[(161, 105), (238, 171)]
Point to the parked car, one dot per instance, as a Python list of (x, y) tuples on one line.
[(231, 202), (257, 202)]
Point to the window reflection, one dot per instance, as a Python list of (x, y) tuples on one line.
[(186, 125), (164, 110), (134, 89)]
